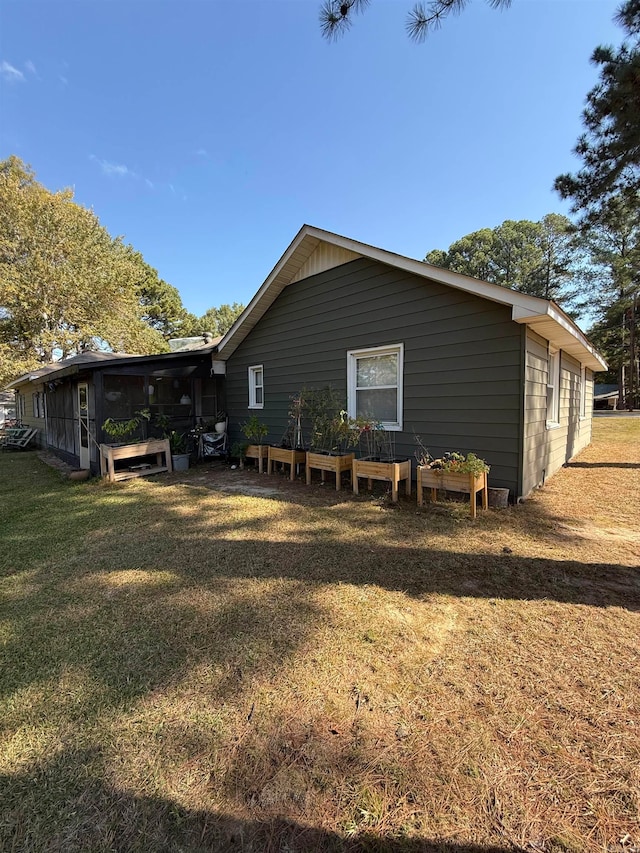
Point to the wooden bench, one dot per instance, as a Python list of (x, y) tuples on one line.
[(110, 454)]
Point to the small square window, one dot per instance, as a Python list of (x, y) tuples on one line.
[(256, 387)]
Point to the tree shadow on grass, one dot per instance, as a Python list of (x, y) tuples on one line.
[(135, 610), (65, 806), (122, 607)]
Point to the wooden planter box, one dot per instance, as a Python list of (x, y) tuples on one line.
[(391, 472), (287, 456), (336, 463), (259, 452), (110, 454), (430, 478)]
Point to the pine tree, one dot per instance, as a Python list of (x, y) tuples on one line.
[(539, 258), (336, 16), (610, 147), (613, 240)]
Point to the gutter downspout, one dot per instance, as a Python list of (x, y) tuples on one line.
[(521, 411)]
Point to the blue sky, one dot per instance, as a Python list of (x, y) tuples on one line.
[(207, 132)]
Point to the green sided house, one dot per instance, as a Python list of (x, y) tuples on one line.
[(466, 365)]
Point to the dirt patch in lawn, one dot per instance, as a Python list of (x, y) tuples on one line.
[(188, 665)]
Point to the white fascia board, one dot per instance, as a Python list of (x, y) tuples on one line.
[(525, 315), (557, 328), (278, 279), (592, 358), (24, 380), (485, 289), (524, 308), (251, 314)]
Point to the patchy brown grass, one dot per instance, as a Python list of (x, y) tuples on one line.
[(189, 668)]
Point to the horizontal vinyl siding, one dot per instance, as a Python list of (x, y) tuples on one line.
[(548, 449), (29, 418), (462, 358)]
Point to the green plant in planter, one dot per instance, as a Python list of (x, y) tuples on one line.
[(451, 462), (374, 441), (121, 430), (239, 451), (293, 436), (331, 427), (162, 422), (254, 430), (177, 442)]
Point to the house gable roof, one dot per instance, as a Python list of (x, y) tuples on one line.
[(314, 250)]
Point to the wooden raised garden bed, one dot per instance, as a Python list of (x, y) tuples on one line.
[(391, 472), (259, 452), (335, 463), (110, 455), (286, 456), (434, 479)]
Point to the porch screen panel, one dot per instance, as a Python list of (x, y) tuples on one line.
[(123, 396), (61, 417)]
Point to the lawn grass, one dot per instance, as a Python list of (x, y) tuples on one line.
[(187, 669)]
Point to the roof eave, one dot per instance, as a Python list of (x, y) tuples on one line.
[(525, 308), (26, 378), (557, 328)]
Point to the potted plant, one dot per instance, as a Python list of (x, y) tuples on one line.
[(452, 472), (163, 423), (179, 454), (379, 461), (239, 452), (291, 451), (220, 425), (254, 430), (123, 429), (330, 434)]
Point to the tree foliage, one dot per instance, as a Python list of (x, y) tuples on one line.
[(610, 146), (218, 321), (612, 238), (336, 16), (66, 285), (539, 258), (605, 192), (161, 304)]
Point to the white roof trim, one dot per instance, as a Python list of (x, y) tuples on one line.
[(559, 329)]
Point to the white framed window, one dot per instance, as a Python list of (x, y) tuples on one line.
[(553, 387), (20, 407), (374, 384), (256, 387), (38, 405), (583, 391)]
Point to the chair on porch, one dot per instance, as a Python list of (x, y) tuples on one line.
[(214, 444), (17, 438)]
